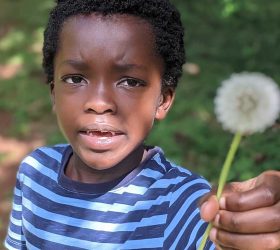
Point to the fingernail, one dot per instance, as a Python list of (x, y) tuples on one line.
[(217, 220), (222, 203), (213, 234)]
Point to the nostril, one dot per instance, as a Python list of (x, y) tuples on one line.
[(99, 110)]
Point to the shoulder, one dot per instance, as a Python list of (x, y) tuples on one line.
[(47, 158), (184, 226), (177, 182), (178, 175)]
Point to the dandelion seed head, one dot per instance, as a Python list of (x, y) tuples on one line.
[(247, 103)]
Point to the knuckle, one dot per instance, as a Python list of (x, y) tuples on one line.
[(239, 201), (270, 194), (234, 223)]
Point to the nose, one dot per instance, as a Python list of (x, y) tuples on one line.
[(100, 99)]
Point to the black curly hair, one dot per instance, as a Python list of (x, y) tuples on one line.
[(161, 14)]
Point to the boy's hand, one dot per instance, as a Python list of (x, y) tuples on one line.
[(248, 214)]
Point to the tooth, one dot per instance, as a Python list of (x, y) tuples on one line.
[(89, 132)]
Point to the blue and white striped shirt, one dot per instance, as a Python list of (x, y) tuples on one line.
[(153, 207)]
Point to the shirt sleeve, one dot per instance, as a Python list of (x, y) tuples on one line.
[(15, 238), (185, 227)]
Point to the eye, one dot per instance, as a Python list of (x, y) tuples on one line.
[(74, 79), (131, 82)]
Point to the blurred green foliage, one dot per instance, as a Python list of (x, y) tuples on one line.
[(222, 37)]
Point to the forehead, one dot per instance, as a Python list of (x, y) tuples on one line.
[(115, 38), (88, 20), (123, 29)]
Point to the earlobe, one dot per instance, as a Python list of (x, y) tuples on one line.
[(165, 103), (52, 94)]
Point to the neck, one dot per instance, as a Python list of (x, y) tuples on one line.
[(78, 171)]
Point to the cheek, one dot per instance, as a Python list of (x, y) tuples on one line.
[(142, 105), (66, 111), (64, 122), (139, 114), (67, 103)]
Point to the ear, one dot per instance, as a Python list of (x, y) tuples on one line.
[(165, 103), (52, 93)]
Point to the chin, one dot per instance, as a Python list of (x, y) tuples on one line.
[(100, 161)]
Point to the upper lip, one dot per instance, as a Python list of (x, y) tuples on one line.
[(100, 127)]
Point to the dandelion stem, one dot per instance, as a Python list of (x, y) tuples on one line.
[(226, 167), (223, 178), (205, 237)]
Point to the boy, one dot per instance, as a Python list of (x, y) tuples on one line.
[(112, 67)]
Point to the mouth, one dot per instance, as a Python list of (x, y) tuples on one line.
[(101, 137), (100, 133), (100, 130)]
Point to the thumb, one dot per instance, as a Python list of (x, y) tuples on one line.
[(209, 208)]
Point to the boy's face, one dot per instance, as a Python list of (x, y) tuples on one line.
[(107, 87)]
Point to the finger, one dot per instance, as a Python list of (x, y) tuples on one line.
[(242, 186), (269, 241), (267, 194), (209, 209), (205, 198), (220, 247), (217, 247), (265, 177), (225, 248), (264, 220), (275, 174)]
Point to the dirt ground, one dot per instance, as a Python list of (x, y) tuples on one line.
[(12, 152)]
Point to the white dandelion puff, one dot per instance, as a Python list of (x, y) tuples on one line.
[(247, 103)]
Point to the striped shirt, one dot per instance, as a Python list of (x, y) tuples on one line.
[(153, 207)]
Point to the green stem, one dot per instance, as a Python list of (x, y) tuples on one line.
[(205, 237), (223, 178), (226, 167)]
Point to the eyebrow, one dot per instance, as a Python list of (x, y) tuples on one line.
[(130, 66), (119, 66), (75, 63)]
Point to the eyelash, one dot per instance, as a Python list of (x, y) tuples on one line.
[(129, 82), (65, 78), (139, 83)]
